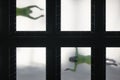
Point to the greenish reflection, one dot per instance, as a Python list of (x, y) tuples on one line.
[(26, 11)]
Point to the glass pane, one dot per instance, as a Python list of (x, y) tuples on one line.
[(112, 15), (31, 15), (75, 63), (113, 63), (31, 63), (75, 15)]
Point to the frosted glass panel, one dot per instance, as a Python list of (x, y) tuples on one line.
[(31, 63), (113, 69), (30, 15), (112, 15), (75, 15), (69, 57)]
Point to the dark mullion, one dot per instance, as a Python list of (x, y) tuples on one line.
[(30, 41), (12, 17), (98, 62), (75, 42), (12, 63), (75, 33), (4, 63), (50, 63), (112, 34), (113, 42), (61, 41), (50, 16), (58, 63), (31, 33), (50, 20), (4, 17), (100, 17), (93, 67), (12, 50), (4, 51), (4, 27), (58, 16), (99, 39), (92, 15), (57, 34)]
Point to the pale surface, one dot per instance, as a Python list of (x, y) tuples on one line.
[(26, 24), (112, 15), (113, 72), (31, 63), (75, 15)]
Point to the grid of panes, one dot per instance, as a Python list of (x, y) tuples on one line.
[(76, 16)]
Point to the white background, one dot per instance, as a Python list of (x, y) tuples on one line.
[(31, 63), (27, 24), (112, 72), (75, 15), (112, 15)]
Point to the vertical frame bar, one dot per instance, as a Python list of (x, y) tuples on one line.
[(4, 61), (12, 16), (50, 7), (92, 15), (12, 63), (99, 39), (58, 63), (4, 42), (50, 67), (58, 15)]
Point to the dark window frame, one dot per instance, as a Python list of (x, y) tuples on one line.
[(98, 39)]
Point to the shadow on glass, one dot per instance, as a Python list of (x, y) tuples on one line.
[(31, 15), (75, 63)]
